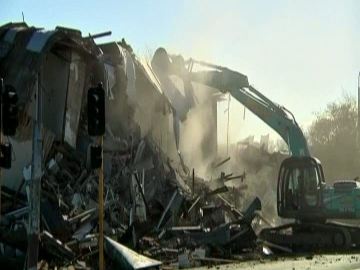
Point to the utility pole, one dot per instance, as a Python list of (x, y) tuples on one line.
[(358, 119), (35, 183), (227, 128)]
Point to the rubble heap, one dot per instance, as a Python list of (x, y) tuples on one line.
[(154, 204)]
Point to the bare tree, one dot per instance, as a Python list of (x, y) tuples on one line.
[(332, 138)]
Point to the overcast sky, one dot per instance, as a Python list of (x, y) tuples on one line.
[(301, 54)]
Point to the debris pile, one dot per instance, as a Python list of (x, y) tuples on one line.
[(154, 204), (148, 207)]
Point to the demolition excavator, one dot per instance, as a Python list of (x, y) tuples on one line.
[(302, 194)]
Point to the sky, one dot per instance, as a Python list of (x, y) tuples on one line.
[(300, 54)]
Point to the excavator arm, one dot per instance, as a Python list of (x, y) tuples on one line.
[(275, 116)]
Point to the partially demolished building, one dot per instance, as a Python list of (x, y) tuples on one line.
[(155, 203)]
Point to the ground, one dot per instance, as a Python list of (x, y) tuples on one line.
[(328, 262)]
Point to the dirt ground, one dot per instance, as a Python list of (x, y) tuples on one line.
[(329, 262)]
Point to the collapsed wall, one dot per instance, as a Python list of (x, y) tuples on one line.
[(60, 63)]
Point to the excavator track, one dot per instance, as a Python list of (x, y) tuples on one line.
[(313, 236)]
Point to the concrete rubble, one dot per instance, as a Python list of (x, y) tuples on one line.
[(159, 212)]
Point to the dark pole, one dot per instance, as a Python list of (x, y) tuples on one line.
[(358, 119), (2, 89), (193, 182)]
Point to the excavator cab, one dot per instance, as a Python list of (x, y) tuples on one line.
[(300, 184)]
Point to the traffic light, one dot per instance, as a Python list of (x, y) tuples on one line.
[(9, 111), (5, 155), (96, 110)]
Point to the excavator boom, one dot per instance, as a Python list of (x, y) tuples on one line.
[(277, 117)]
